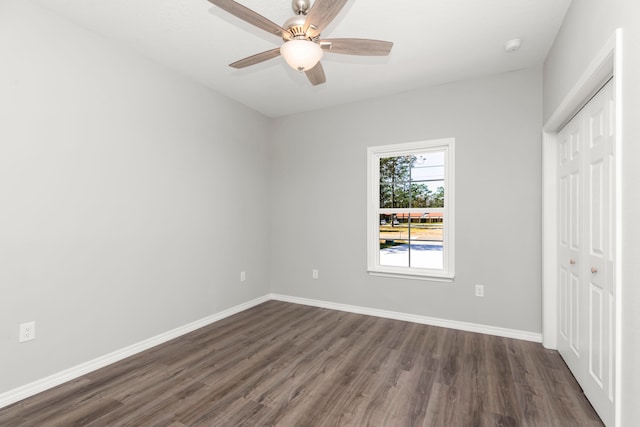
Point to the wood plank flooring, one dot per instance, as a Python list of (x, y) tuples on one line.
[(293, 365)]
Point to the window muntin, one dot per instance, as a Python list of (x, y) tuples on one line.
[(410, 217)]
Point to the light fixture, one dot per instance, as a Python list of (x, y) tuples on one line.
[(301, 55)]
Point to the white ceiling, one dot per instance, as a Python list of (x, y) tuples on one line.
[(435, 41)]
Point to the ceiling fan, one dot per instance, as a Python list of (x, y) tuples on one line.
[(303, 47)]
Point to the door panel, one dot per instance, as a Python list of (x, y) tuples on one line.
[(564, 209), (574, 313), (596, 207), (563, 316), (575, 211), (596, 334)]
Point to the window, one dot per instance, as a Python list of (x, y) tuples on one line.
[(410, 210)]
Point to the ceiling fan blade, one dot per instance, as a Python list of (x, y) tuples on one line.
[(364, 47), (256, 59), (321, 14), (316, 75), (253, 18)]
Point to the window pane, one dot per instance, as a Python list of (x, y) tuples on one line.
[(427, 226), (420, 195), (412, 240), (394, 241), (428, 166), (395, 169), (425, 254), (395, 195), (427, 194), (386, 195), (401, 196), (425, 244), (437, 194)]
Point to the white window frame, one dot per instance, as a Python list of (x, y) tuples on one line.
[(374, 154)]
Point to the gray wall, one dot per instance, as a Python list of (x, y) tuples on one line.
[(587, 27), (318, 200), (130, 198)]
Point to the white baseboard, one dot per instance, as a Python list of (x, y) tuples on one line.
[(425, 320), (20, 393), (15, 395)]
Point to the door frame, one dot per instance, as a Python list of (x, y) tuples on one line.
[(606, 64)]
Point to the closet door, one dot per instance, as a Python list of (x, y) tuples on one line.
[(570, 241), (586, 279)]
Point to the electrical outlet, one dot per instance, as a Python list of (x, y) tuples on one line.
[(27, 331), (314, 274), (479, 290), (243, 276)]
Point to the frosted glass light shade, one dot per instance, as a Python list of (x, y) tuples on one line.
[(301, 55)]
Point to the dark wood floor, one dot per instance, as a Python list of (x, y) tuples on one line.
[(292, 365)]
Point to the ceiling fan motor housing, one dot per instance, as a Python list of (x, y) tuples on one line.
[(295, 26)]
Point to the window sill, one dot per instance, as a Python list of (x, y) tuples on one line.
[(414, 276)]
